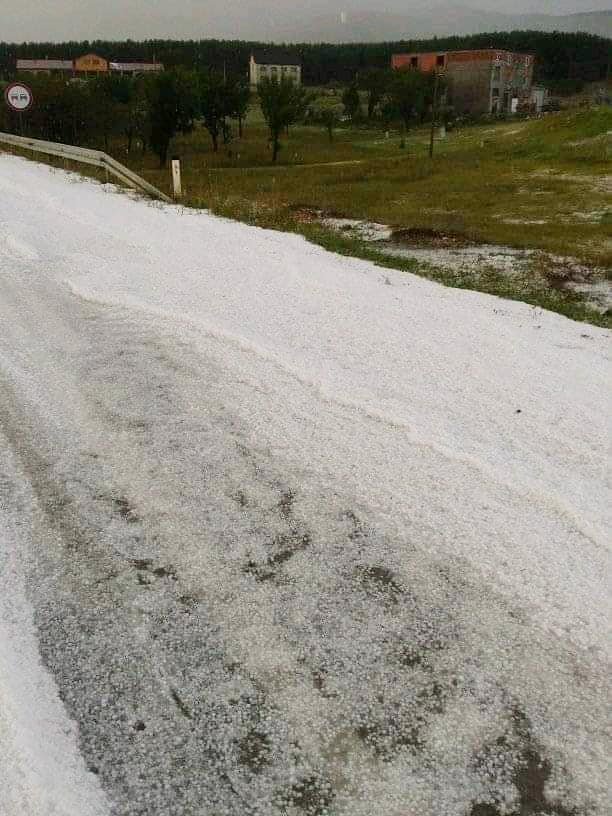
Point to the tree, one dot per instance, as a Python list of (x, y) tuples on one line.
[(374, 81), (107, 113), (282, 103), (352, 102), (241, 98), (127, 92), (172, 102), (327, 111), (214, 104), (411, 93), (222, 99), (61, 112), (140, 113)]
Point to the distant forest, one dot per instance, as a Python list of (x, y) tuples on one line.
[(559, 56)]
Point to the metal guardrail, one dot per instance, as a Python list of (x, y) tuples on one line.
[(84, 155)]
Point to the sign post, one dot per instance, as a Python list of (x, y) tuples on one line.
[(20, 99)]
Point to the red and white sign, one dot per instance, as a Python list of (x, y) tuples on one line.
[(19, 97)]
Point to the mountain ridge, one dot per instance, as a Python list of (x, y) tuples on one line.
[(380, 26)]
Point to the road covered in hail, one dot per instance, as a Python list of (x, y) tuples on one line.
[(284, 533)]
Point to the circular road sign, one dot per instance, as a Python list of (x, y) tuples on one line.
[(19, 97)]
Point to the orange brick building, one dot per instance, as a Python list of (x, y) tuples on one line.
[(480, 82), (90, 64)]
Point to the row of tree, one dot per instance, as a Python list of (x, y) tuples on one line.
[(149, 110), (402, 97), (559, 56)]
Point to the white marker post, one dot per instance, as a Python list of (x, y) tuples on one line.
[(176, 178)]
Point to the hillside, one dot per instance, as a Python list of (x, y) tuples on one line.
[(380, 26), (276, 20)]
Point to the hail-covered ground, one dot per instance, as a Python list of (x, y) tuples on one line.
[(286, 534)]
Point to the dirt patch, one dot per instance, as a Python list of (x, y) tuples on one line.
[(358, 529), (378, 580), (286, 545), (320, 682), (558, 272), (285, 504), (307, 215), (530, 775), (393, 726), (411, 656), (180, 704), (311, 795), (147, 573), (254, 750), (240, 498), (421, 237)]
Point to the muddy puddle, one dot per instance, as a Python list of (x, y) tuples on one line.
[(454, 253)]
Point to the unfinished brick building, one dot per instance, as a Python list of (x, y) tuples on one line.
[(479, 82)]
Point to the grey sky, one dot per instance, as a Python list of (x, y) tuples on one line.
[(119, 19)]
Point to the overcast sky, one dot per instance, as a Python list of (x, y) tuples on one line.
[(120, 19)]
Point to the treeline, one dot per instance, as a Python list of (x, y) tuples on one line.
[(144, 111), (147, 112), (560, 56)]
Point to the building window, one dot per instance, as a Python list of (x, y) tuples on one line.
[(414, 62), (294, 69), (497, 73), (440, 61), (495, 93)]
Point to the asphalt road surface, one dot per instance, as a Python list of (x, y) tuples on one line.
[(282, 534)]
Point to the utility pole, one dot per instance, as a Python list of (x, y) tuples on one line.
[(434, 115)]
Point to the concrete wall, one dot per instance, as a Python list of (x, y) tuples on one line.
[(480, 81), (470, 87), (481, 86)]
